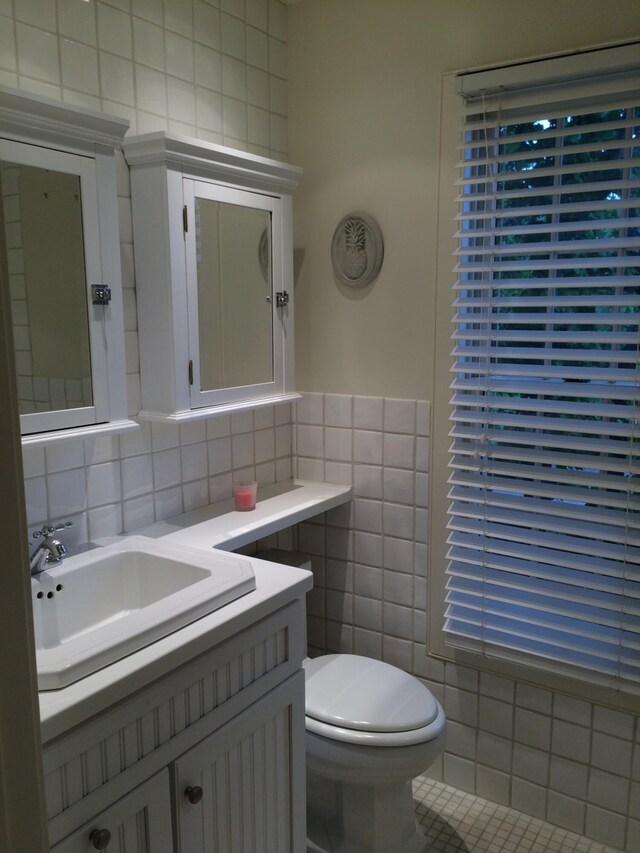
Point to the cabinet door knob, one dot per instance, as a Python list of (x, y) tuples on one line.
[(193, 794), (100, 838)]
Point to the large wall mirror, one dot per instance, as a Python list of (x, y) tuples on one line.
[(61, 234)]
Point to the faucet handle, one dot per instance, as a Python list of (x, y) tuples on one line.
[(48, 529)]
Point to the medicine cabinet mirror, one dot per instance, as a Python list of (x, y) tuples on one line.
[(58, 195), (214, 277), (232, 283)]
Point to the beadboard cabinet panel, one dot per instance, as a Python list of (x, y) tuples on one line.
[(138, 823), (250, 784)]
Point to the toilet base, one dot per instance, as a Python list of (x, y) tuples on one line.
[(352, 818)]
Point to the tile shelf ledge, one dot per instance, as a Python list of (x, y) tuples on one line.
[(279, 506)]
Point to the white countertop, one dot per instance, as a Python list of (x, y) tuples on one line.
[(218, 526)]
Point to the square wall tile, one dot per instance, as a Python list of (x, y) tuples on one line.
[(496, 717), (367, 447), (399, 451), (137, 475), (148, 44), (459, 772), (103, 484), (310, 441), (257, 48), (566, 812), (532, 729), (568, 777), (114, 31), (571, 741), (37, 54), (116, 79), (207, 24), (35, 13), (77, 21), (461, 705), (400, 416), (611, 753), (151, 90), (66, 491), (338, 444), (338, 410), (79, 67), (368, 413), (605, 826)]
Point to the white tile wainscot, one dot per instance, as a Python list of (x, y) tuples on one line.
[(148, 748)]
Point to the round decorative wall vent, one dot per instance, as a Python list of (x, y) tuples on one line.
[(357, 250)]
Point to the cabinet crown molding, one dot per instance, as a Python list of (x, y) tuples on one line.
[(51, 123), (215, 162)]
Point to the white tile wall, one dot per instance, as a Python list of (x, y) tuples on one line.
[(211, 69), (110, 485), (549, 755)]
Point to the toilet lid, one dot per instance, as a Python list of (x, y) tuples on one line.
[(359, 693)]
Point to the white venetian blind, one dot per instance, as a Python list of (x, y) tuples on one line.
[(544, 534)]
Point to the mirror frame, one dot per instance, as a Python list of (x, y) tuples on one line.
[(56, 128)]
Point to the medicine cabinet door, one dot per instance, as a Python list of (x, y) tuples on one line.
[(235, 330), (50, 205)]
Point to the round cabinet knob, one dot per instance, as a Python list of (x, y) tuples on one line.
[(193, 794), (100, 838)]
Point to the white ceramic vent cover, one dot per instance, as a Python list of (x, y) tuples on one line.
[(357, 250)]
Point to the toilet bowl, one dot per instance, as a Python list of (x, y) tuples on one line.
[(371, 728)]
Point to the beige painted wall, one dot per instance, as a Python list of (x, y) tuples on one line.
[(364, 101)]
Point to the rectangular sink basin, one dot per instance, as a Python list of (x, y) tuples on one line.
[(94, 608)]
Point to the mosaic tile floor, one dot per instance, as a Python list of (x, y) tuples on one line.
[(455, 822)]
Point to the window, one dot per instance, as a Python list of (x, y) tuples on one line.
[(543, 559)]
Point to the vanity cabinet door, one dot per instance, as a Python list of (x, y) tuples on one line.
[(138, 823), (241, 790)]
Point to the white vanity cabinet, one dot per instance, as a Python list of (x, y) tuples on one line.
[(208, 757), (214, 276)]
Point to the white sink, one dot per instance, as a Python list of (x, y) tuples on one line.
[(95, 608)]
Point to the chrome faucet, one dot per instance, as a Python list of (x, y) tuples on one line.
[(49, 550)]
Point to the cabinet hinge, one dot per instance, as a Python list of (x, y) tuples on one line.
[(190, 373), (185, 219)]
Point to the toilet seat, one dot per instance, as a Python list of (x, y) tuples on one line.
[(358, 700)]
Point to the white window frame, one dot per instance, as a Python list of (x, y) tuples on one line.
[(567, 68)]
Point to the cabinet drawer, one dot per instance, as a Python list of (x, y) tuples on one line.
[(138, 823)]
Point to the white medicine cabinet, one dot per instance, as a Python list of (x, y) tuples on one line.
[(61, 238), (214, 276)]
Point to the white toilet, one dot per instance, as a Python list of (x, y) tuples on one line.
[(370, 730)]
